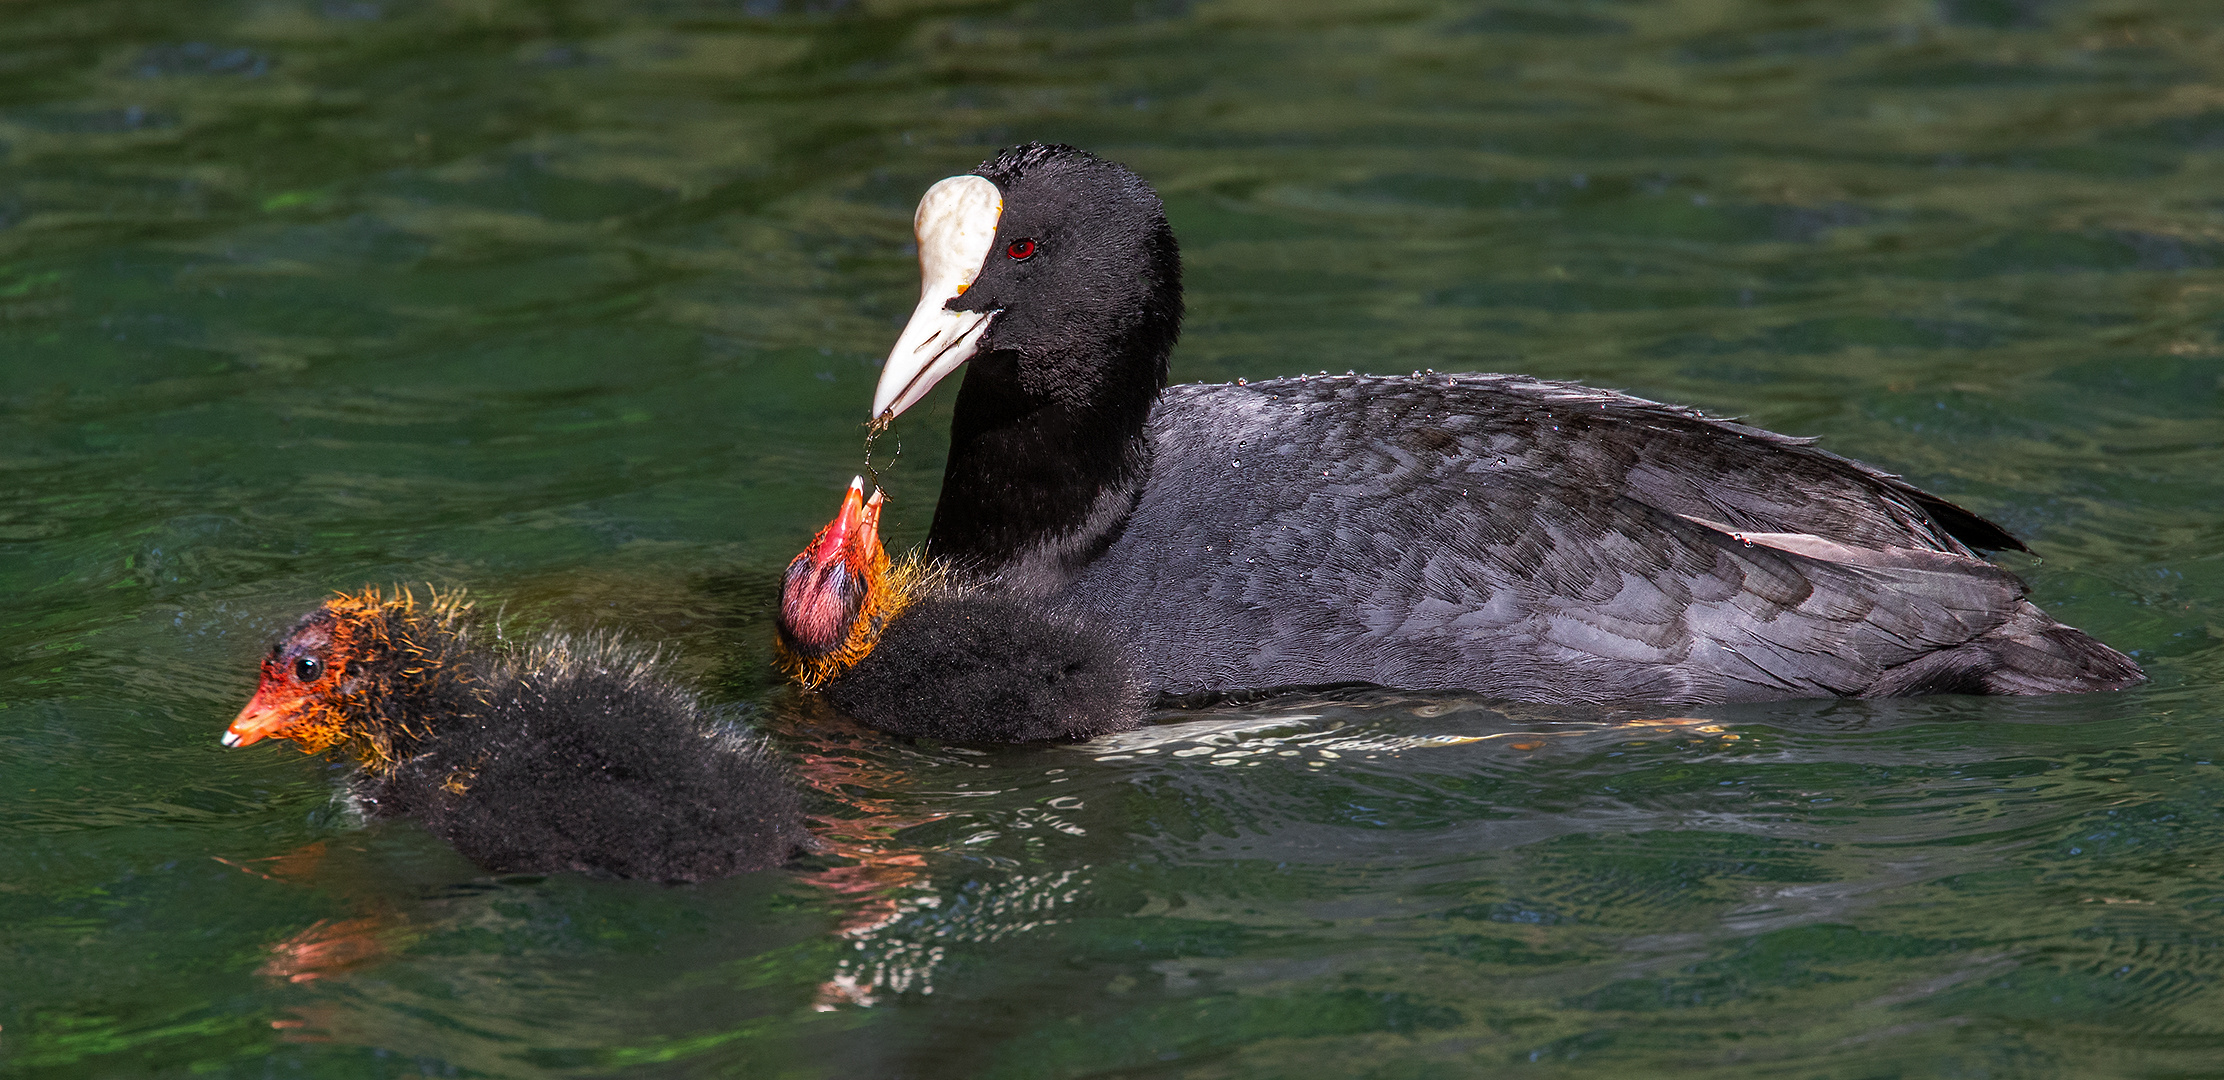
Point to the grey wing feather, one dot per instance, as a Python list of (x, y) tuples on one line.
[(1477, 532)]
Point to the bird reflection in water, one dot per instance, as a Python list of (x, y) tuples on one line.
[(878, 885), (880, 880), (326, 947)]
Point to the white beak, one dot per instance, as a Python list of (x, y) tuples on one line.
[(956, 226)]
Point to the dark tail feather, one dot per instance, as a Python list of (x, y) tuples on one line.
[(2028, 654)]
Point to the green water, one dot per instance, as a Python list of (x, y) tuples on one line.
[(580, 304)]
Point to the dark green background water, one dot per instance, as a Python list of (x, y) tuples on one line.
[(580, 305)]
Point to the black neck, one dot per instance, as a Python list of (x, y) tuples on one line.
[(1029, 473), (415, 696)]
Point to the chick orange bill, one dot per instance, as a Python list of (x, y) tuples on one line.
[(836, 537), (867, 543), (272, 710)]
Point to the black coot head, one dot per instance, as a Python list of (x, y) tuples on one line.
[(1079, 285)]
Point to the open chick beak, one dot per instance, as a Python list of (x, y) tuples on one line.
[(865, 547), (830, 580), (840, 535), (956, 227)]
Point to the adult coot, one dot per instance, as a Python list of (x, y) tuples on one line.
[(1537, 540), (571, 753), (915, 647)]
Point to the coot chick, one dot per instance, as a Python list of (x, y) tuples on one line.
[(912, 647), (1536, 540), (569, 753)]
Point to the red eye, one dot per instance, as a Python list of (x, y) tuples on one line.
[(1020, 249)]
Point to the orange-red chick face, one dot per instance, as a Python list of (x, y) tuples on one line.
[(303, 687), (835, 598), (319, 679)]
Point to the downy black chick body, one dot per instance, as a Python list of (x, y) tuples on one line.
[(570, 753), (1536, 540)]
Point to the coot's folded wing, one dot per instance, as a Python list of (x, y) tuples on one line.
[(1350, 531), (1687, 462)]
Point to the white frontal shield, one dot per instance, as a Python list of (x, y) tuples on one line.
[(956, 225)]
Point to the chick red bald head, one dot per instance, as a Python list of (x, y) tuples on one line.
[(828, 585)]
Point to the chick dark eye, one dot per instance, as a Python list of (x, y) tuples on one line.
[(1020, 249), (307, 669)]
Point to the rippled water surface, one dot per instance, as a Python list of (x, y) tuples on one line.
[(580, 303)]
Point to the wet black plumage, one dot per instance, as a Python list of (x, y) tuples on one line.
[(567, 753), (1551, 543), (976, 667), (1537, 540)]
